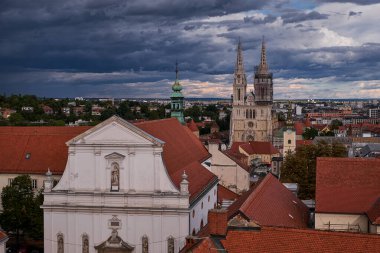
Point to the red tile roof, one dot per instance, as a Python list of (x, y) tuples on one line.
[(300, 143), (271, 204), (259, 147), (347, 185), (45, 145), (193, 127), (287, 240), (182, 151), (354, 182), (226, 194), (373, 212), (240, 159), (3, 236), (299, 126)]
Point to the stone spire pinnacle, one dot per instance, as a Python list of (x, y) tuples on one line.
[(239, 68), (263, 67), (176, 70)]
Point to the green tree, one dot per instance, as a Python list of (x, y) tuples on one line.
[(300, 167), (17, 200), (335, 124), (310, 133)]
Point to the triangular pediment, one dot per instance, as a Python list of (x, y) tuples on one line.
[(114, 155), (115, 130)]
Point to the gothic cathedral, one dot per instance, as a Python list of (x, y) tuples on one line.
[(252, 118)]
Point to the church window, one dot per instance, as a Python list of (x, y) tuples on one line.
[(250, 124), (85, 246), (247, 114), (60, 244), (170, 244), (193, 233), (289, 141), (208, 199), (253, 114), (34, 183), (214, 192), (115, 176), (193, 213), (238, 94), (145, 244), (202, 223), (202, 205)]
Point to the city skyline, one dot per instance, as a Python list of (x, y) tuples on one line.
[(315, 49)]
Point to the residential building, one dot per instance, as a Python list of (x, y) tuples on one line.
[(348, 194), (233, 173)]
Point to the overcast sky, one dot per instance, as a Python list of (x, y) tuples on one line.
[(128, 48)]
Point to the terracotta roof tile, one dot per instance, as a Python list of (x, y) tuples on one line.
[(45, 147), (299, 126), (373, 212), (287, 240), (300, 143), (226, 194), (182, 151), (255, 147), (272, 204), (347, 185), (193, 127)]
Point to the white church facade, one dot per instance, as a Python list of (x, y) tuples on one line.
[(129, 188)]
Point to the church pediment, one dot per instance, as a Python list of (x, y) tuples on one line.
[(115, 130), (115, 156), (114, 244)]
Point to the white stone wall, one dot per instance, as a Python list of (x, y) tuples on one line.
[(228, 171), (209, 201), (134, 225), (322, 219)]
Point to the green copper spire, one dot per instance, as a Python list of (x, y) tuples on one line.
[(177, 99)]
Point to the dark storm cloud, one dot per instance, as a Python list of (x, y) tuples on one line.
[(346, 63), (353, 13), (265, 20), (360, 2), (295, 17)]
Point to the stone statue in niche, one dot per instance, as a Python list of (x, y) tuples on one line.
[(85, 247), (115, 176), (145, 244), (60, 244), (171, 245)]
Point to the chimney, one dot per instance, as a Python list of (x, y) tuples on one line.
[(217, 221)]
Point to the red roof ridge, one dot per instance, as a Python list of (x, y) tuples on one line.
[(151, 121), (257, 190), (317, 231)]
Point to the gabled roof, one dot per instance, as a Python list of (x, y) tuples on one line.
[(226, 194), (299, 126), (373, 212), (288, 240), (271, 204), (300, 143), (192, 126), (33, 150), (182, 151), (259, 147), (3, 237), (347, 185), (122, 122)]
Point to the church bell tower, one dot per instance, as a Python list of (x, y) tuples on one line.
[(177, 99)]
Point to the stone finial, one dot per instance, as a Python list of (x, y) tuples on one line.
[(184, 185), (48, 182)]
